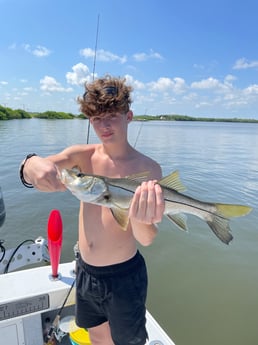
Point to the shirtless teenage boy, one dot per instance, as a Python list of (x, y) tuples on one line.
[(111, 282)]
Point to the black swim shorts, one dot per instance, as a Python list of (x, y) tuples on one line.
[(117, 294)]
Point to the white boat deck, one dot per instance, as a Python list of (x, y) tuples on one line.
[(27, 296)]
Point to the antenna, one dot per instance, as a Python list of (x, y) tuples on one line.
[(93, 72)]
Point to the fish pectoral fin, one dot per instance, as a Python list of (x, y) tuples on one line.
[(121, 216), (179, 220), (228, 210), (172, 181)]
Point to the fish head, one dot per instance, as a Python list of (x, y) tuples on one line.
[(87, 188)]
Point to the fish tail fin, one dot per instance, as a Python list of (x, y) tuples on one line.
[(220, 227), (219, 222), (228, 210)]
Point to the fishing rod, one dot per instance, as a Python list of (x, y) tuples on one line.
[(95, 51), (50, 338), (93, 72), (93, 77)]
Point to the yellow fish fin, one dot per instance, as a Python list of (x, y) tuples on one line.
[(179, 220), (219, 222), (228, 210), (139, 177), (172, 181), (121, 216), (220, 227)]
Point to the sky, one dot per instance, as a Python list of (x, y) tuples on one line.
[(197, 58)]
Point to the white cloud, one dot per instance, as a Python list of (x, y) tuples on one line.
[(102, 55), (80, 74), (209, 83), (229, 78), (49, 84), (229, 97), (3, 82), (251, 90), (177, 85), (146, 56), (136, 84), (243, 63), (161, 84), (87, 52), (38, 51)]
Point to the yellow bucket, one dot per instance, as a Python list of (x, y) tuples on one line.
[(80, 337)]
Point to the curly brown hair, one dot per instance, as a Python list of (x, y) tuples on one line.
[(105, 95)]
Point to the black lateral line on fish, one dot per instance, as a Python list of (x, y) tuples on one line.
[(168, 200), (197, 208), (120, 187)]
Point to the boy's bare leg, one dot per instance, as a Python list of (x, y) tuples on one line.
[(100, 335)]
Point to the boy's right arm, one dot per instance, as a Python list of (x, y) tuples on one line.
[(42, 173)]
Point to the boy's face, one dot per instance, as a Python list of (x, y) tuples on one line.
[(109, 126)]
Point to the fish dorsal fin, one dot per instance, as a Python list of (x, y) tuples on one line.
[(139, 177), (121, 216), (173, 181)]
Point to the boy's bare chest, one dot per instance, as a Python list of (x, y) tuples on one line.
[(112, 168)]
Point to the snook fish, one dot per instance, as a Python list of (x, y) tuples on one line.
[(117, 193)]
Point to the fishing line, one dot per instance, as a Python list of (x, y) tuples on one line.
[(138, 134), (139, 131), (93, 72)]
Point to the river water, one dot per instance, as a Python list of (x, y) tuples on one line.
[(201, 291)]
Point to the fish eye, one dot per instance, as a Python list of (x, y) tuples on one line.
[(106, 196)]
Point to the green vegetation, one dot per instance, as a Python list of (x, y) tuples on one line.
[(189, 118), (10, 114), (54, 115)]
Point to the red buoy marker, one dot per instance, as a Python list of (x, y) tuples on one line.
[(55, 236)]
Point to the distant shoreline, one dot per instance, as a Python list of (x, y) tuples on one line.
[(19, 114), (190, 118)]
